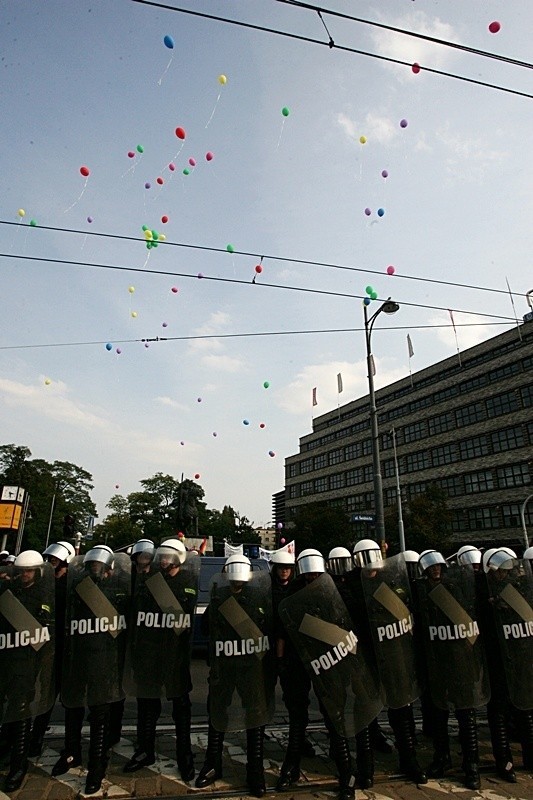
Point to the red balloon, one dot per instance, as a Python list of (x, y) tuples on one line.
[(196, 475), (85, 171), (261, 424), (209, 156), (160, 181), (131, 154), (164, 219), (415, 68), (259, 269), (494, 27), (180, 133)]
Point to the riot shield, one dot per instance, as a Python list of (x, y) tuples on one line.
[(389, 608), (242, 674), (511, 599), (97, 614), (27, 619), (449, 626), (318, 623), (159, 650)]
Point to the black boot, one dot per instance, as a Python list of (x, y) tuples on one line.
[(148, 711), (501, 749), (116, 712), (212, 768), (181, 714), (441, 757), (525, 721), (20, 743), (39, 728), (71, 753), (365, 759), (468, 739), (343, 762), (378, 740), (5, 743), (255, 773), (401, 720), (290, 769), (98, 723)]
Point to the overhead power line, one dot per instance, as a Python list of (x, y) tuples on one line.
[(269, 257), (331, 45), (237, 281)]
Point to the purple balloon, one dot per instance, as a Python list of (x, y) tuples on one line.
[(89, 219), (403, 123), (384, 174), (368, 212), (147, 185), (279, 526)]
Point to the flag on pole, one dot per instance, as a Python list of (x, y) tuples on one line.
[(450, 312), (372, 366), (410, 346), (315, 401), (340, 387)]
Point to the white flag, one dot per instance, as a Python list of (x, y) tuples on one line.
[(339, 383), (410, 346), (315, 401)]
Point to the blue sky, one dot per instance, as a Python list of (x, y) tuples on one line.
[(83, 83)]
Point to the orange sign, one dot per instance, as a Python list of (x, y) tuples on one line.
[(10, 515)]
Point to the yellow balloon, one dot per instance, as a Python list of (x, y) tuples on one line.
[(222, 80), (133, 314), (47, 382), (21, 212), (162, 237), (131, 289), (362, 139), (148, 236)]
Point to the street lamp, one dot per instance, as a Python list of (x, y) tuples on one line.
[(388, 307)]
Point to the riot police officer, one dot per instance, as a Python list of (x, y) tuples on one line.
[(160, 648), (26, 655), (99, 586), (468, 555), (455, 658), (59, 555), (242, 673)]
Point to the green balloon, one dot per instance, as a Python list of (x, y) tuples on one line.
[(369, 289), (145, 227), (285, 111), (230, 248), (33, 223), (140, 148), (186, 171), (266, 384), (374, 295), (155, 235)]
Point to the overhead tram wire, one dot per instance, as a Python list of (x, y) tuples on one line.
[(424, 37), (250, 335), (239, 282), (343, 48), (266, 256)]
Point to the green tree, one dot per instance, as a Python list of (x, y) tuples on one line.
[(321, 526), (426, 522), (118, 529)]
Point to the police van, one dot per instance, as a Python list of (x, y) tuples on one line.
[(209, 566)]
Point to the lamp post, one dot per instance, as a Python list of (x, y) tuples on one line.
[(388, 307), (401, 532), (523, 519)]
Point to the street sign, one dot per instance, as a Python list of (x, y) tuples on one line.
[(362, 518)]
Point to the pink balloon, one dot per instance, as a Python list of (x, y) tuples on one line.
[(192, 162), (209, 156), (282, 541), (174, 289), (200, 274), (131, 154), (172, 166), (390, 270), (415, 68), (119, 351)]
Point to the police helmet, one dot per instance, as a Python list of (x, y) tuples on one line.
[(468, 554), (339, 561), (429, 558), (172, 551), (64, 551), (501, 558), (3, 554), (367, 553), (529, 553), (485, 557), (10, 559), (282, 558), (144, 546), (29, 559), (103, 547), (310, 560), (238, 568), (102, 555), (411, 562)]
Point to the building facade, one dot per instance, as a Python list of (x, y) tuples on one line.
[(466, 426)]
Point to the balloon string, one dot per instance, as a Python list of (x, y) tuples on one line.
[(281, 133), (79, 198), (165, 72), (132, 168), (213, 111), (147, 258)]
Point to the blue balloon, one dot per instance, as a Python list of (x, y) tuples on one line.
[(168, 41), (367, 301), (381, 212), (109, 346), (245, 422)]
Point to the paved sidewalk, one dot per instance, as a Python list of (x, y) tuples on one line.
[(318, 774)]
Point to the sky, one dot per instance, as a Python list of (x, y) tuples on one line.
[(85, 83)]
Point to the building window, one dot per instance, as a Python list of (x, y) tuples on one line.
[(366, 447), (319, 462), (321, 484), (459, 521), (390, 496), (306, 466), (368, 473), (415, 461), (441, 424), (336, 481), (502, 404), (479, 482), (414, 432), (292, 470), (416, 488), (508, 439), (294, 491), (350, 452), (472, 448), (388, 468), (453, 486), (513, 475), (306, 488), (527, 396), (335, 457), (483, 518), (511, 515), (467, 415), (354, 476), (504, 372), (355, 503), (444, 455)]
